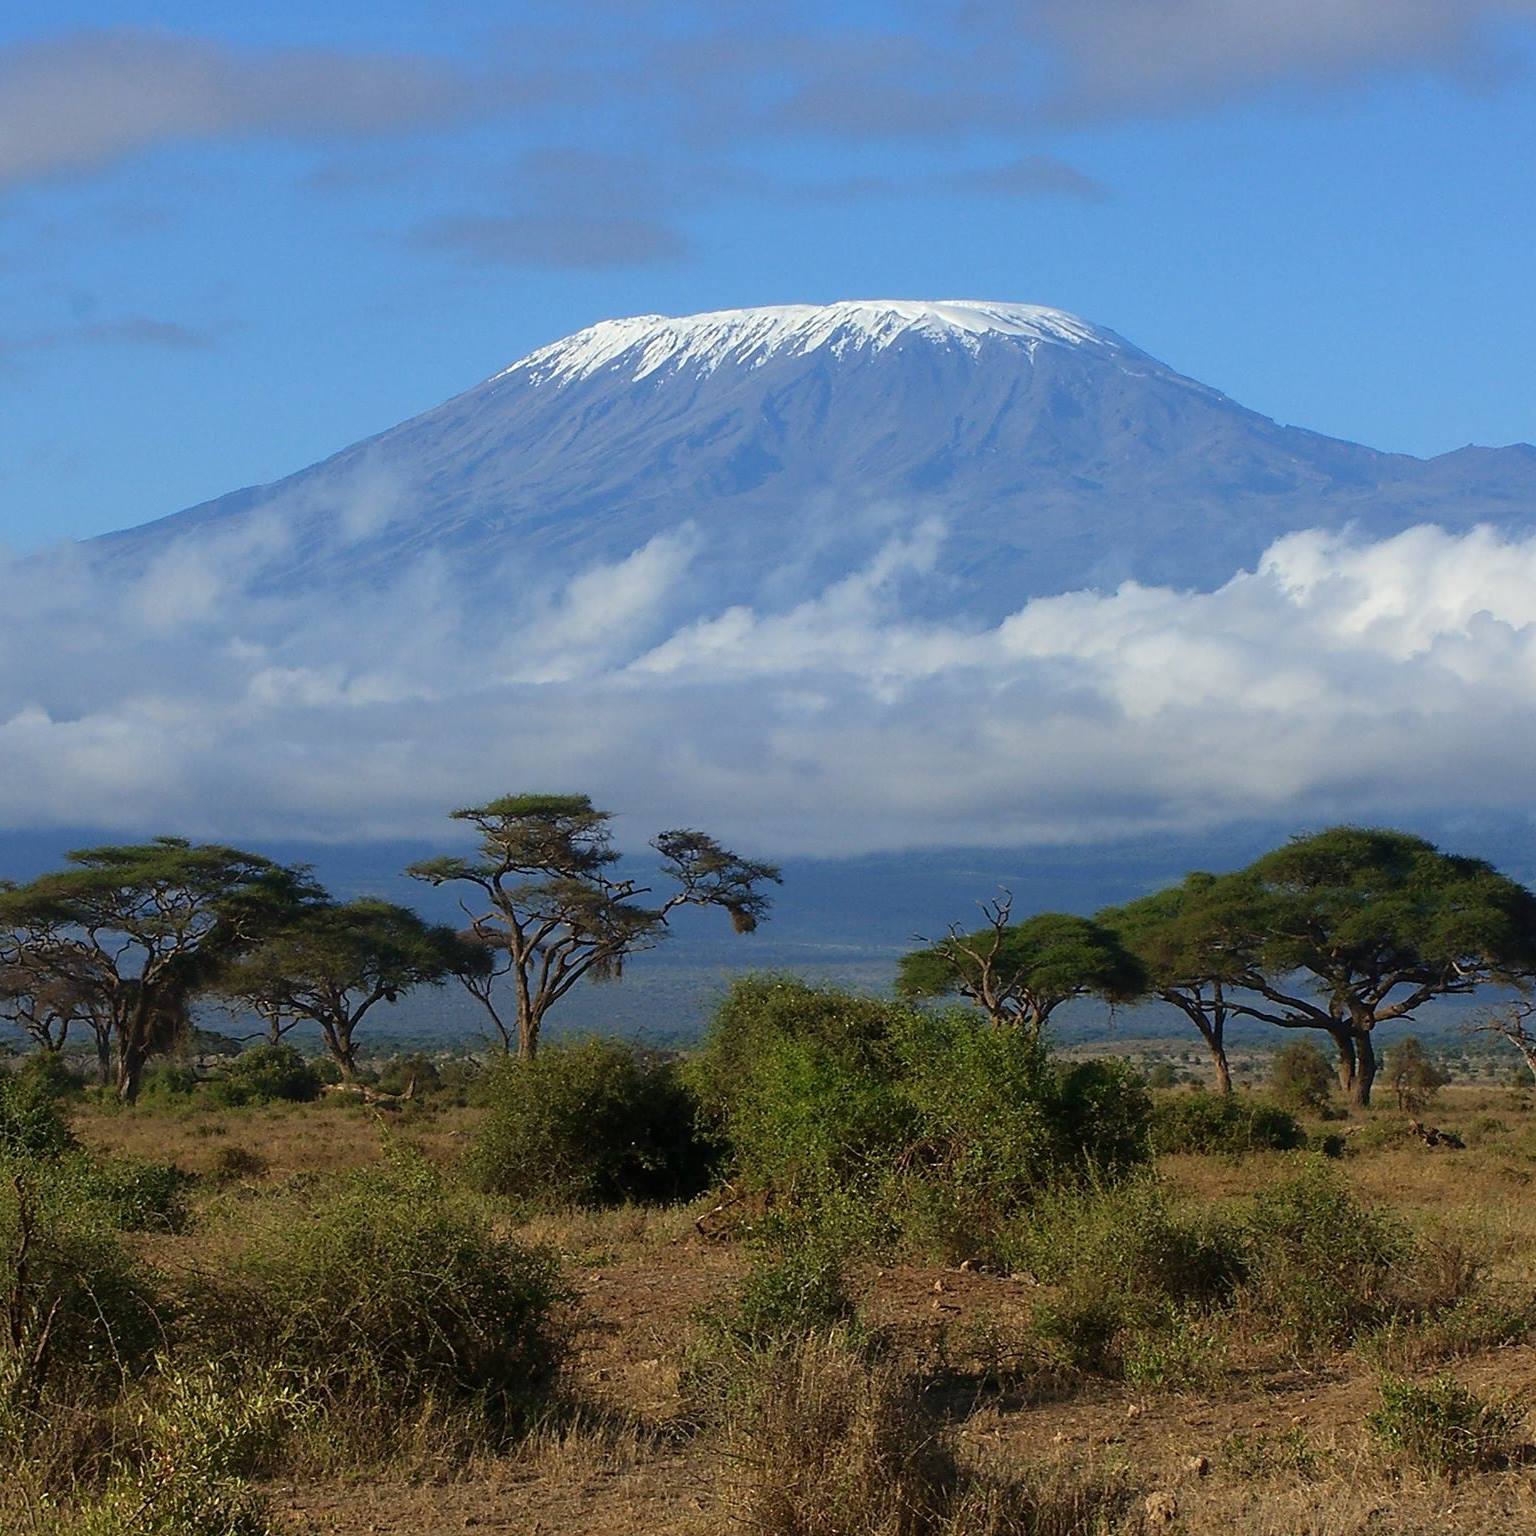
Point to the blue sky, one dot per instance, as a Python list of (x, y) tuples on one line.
[(235, 238)]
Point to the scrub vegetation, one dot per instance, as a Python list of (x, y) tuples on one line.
[(853, 1266)]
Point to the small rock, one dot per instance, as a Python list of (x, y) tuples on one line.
[(1161, 1508), (1198, 1465), (938, 1285), (1133, 1410)]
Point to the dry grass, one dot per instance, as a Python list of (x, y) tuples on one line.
[(1270, 1449)]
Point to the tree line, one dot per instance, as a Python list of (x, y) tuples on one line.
[(123, 940), (1337, 933)]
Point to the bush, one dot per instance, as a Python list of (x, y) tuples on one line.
[(935, 1125), (51, 1075), (202, 1435), (789, 1293), (832, 1443), (31, 1124), (400, 1073), (1411, 1075), (127, 1194), (231, 1165), (1320, 1266), (169, 1081), (1222, 1123), (387, 1289), (266, 1073), (596, 1123), (1443, 1428), (1131, 1278), (81, 1314), (1300, 1077)]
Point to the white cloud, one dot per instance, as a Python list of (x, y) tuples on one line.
[(1338, 678)]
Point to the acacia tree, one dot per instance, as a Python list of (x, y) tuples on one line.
[(147, 927), (1192, 953), (549, 901), (1020, 973), (1512, 1022), (45, 988), (1411, 1074), (1357, 926), (334, 963)]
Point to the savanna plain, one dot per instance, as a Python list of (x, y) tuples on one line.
[(850, 1267)]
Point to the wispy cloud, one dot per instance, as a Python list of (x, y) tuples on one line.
[(82, 102), (561, 240), (1128, 55)]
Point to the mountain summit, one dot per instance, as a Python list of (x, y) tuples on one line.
[(647, 344), (786, 446)]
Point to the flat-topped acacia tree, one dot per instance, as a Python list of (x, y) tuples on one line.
[(334, 964), (146, 927), (1358, 926), (549, 901), (1020, 973), (1195, 951)]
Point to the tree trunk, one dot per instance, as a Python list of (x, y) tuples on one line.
[(1365, 1072), (103, 1057), (1221, 1067), (1344, 1043), (131, 1061), (338, 1040), (527, 1038)]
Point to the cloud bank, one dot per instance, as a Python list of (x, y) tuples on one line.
[(1337, 679)]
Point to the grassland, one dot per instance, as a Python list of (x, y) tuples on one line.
[(1249, 1443)]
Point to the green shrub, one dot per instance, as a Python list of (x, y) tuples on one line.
[(128, 1194), (1252, 1456), (202, 1434), (1320, 1265), (596, 1123), (1300, 1077), (266, 1073), (51, 1075), (230, 1165), (385, 1287), (1131, 1279), (939, 1126), (1483, 1318), (399, 1073), (169, 1082), (31, 1123), (832, 1443), (1443, 1428), (792, 1291), (81, 1315), (764, 1010), (1222, 1123)]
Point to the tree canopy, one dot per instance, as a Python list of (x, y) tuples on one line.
[(336, 962), (147, 926), (1194, 949), (1020, 973), (550, 902), (1352, 927)]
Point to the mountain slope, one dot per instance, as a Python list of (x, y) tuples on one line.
[(786, 444)]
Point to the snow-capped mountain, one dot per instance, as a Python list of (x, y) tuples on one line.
[(786, 444)]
